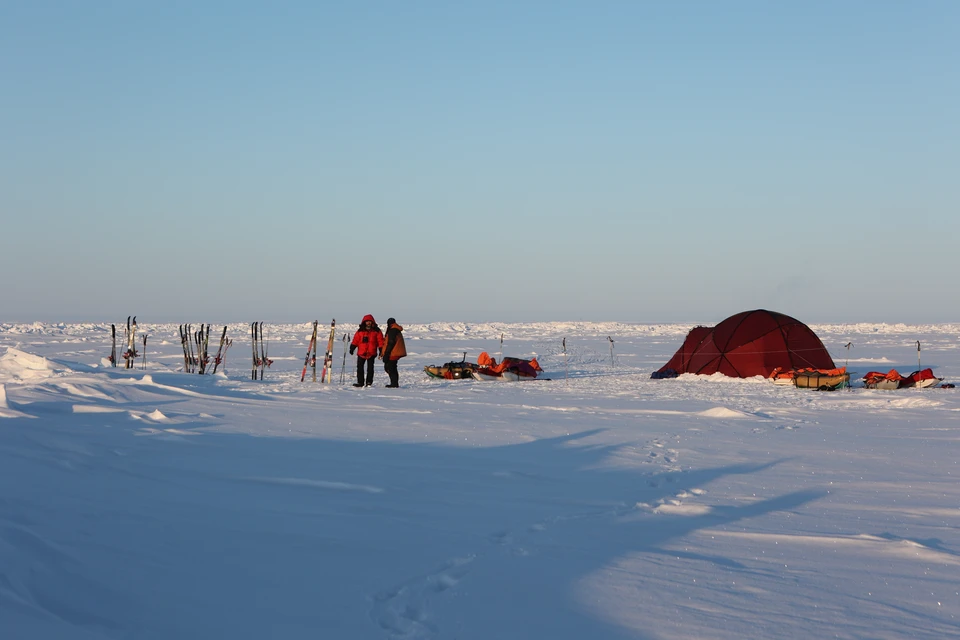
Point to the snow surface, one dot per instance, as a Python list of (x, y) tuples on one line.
[(597, 503)]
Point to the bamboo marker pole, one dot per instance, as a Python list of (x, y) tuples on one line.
[(846, 363), (918, 365)]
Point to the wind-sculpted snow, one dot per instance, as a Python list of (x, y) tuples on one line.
[(593, 502), (19, 366)]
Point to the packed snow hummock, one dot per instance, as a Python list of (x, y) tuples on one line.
[(19, 366), (593, 502)]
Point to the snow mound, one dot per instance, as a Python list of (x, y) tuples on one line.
[(722, 412), (686, 510), (914, 403), (19, 366), (156, 414), (5, 410), (93, 408)]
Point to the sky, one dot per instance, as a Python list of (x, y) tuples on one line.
[(494, 161)]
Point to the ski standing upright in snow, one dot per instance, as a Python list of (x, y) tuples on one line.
[(265, 362), (256, 359), (219, 357), (183, 344), (327, 374), (203, 346), (131, 353), (311, 350), (313, 357), (113, 351), (193, 359)]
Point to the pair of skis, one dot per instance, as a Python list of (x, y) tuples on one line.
[(259, 343), (326, 374), (221, 357), (202, 339), (311, 358), (130, 355), (189, 362)]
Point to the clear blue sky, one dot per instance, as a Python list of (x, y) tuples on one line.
[(515, 161)]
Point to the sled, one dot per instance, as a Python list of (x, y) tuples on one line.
[(451, 370), (487, 375), (509, 370), (893, 380), (822, 380), (920, 380), (883, 381)]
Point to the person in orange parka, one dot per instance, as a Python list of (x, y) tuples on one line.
[(368, 343), (392, 353)]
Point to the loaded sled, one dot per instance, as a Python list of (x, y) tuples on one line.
[(486, 369), (893, 380)]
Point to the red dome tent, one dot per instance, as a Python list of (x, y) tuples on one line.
[(749, 344)]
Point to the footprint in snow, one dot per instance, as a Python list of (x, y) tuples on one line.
[(404, 610)]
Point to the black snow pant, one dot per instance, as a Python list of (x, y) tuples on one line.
[(369, 362), (390, 366)]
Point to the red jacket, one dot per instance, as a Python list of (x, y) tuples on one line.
[(368, 342)]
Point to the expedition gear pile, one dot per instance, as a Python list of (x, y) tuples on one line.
[(485, 364)]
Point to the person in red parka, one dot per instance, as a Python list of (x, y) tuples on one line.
[(368, 343)]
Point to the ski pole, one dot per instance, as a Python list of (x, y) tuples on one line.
[(343, 366), (144, 367), (611, 351), (225, 348), (566, 373)]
